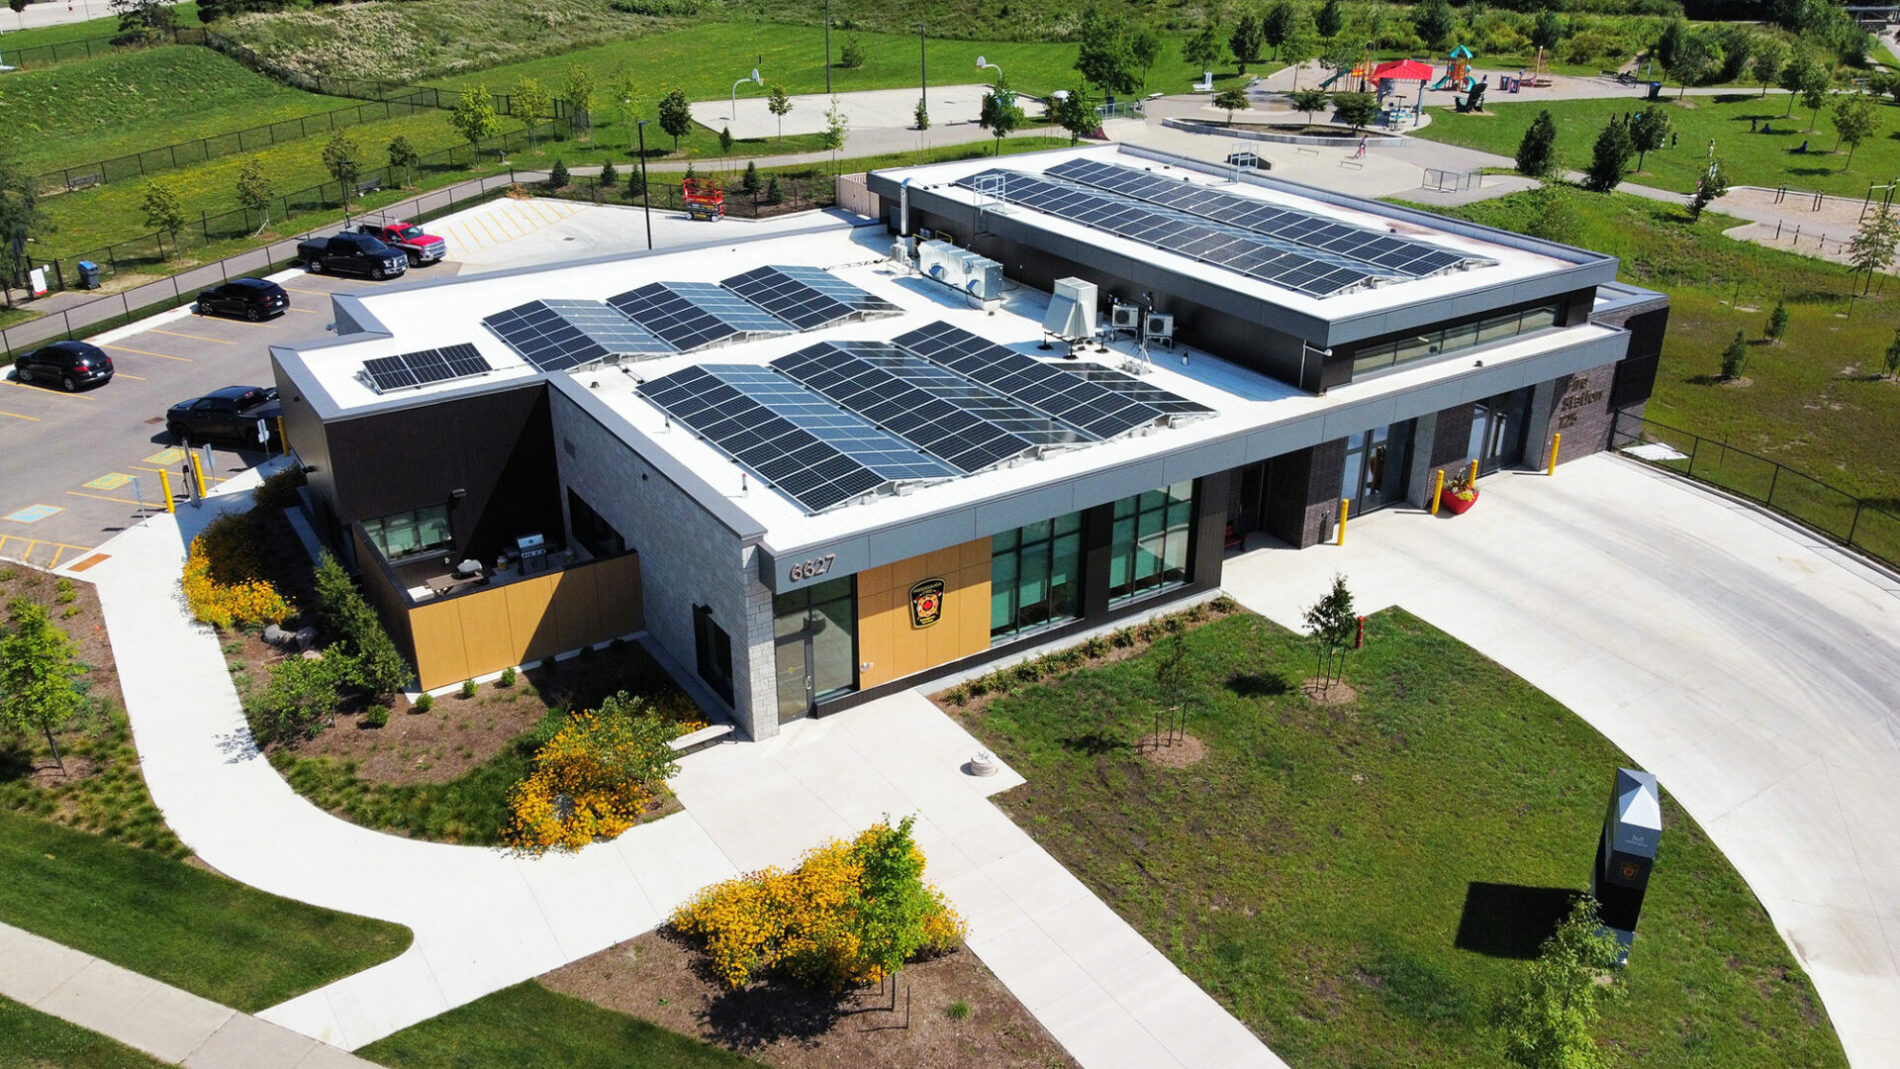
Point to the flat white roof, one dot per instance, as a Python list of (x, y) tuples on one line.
[(1511, 264)]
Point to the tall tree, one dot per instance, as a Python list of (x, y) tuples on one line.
[(1766, 61), (676, 115), (474, 118), (577, 93), (1145, 45), (1076, 113), (1669, 43), (1854, 122), (1308, 101), (1301, 43), (37, 669), (20, 218), (1329, 20), (1696, 60), (1609, 157), (344, 160), (255, 191), (1355, 109), (1434, 23), (1872, 248), (1548, 30), (1245, 41), (529, 101), (1233, 99), (144, 18), (1271, 28), (1203, 51), (1649, 131), (1000, 115), (1105, 56), (1548, 1018), (1800, 75), (1537, 152), (779, 105)]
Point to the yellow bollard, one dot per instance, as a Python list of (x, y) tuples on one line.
[(1474, 473), (1556, 443), (165, 481), (1345, 506), (197, 472), (283, 443), (1438, 490)]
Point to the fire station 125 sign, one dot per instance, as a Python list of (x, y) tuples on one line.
[(926, 603)]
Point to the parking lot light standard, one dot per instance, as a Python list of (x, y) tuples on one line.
[(646, 191)]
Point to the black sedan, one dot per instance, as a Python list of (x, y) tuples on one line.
[(72, 364), (230, 414), (251, 298)]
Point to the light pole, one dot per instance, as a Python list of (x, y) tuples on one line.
[(923, 65), (827, 47), (984, 64), (646, 191), (754, 79)]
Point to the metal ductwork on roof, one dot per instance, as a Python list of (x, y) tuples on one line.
[(1071, 314)]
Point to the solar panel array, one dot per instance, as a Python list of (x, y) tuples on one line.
[(1136, 390), (807, 297), (555, 335), (1087, 406), (419, 369), (1414, 259), (812, 451), (691, 315)]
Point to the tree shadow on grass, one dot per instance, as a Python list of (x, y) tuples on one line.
[(1093, 743), (1252, 685), (16, 763), (1509, 920)]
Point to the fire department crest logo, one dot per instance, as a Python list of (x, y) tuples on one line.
[(926, 603)]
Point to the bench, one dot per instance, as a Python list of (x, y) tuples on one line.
[(1352, 163), (77, 182), (695, 741), (368, 185)]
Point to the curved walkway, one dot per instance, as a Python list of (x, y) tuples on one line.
[(1751, 666)]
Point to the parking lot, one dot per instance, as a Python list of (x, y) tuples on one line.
[(82, 465)]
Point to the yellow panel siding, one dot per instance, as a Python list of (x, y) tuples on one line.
[(528, 604), (486, 635), (886, 638), (441, 657)]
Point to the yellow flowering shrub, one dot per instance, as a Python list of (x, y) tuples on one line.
[(593, 779), (221, 599), (850, 913)]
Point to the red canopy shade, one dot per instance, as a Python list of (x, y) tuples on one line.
[(1403, 70)]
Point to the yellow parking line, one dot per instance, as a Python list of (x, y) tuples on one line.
[(485, 230), (48, 392), (302, 311), (542, 211), (297, 289), (102, 497), (16, 415), (135, 378), (507, 221), (54, 563), (147, 352), (195, 337), (469, 238), (142, 467)]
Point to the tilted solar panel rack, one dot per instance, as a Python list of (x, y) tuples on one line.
[(1414, 259), (419, 369), (1176, 406), (558, 335), (797, 442), (692, 315), (1090, 407), (808, 297)]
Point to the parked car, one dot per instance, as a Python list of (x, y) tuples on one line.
[(230, 414), (252, 298), (354, 254), (72, 364), (420, 246)]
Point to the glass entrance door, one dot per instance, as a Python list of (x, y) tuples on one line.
[(1497, 430), (814, 635), (1376, 469)]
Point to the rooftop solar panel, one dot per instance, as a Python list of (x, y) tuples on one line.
[(555, 335), (418, 369), (692, 315), (1135, 389), (1087, 406), (807, 297)]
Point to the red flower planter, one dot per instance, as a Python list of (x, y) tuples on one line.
[(1455, 504)]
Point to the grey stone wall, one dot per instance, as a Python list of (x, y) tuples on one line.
[(687, 557)]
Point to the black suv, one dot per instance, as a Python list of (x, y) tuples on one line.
[(252, 298), (231, 413), (72, 364)]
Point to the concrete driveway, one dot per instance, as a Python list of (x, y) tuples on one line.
[(1752, 667)]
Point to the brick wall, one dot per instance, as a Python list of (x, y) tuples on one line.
[(1303, 493), (1580, 411)]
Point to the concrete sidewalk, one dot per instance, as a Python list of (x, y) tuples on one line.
[(1105, 994), (1750, 665), (168, 1024)]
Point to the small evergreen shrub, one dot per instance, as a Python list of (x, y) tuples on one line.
[(376, 716), (424, 703), (468, 688), (279, 492), (558, 178), (507, 677)]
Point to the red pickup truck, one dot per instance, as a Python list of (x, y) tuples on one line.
[(421, 248)]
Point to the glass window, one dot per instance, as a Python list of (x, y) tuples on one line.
[(815, 630), (1538, 319), (1035, 576), (1452, 338), (713, 650), (1497, 327), (1463, 336), (1148, 545), (406, 534), (1417, 347)]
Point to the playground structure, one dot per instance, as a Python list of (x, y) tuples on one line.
[(1457, 73), (704, 199), (1361, 71)]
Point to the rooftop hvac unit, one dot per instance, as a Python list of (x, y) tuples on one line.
[(1160, 330), (1071, 314), (961, 269), (1125, 317)]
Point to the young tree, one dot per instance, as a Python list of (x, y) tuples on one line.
[(1549, 30), (1696, 59), (1309, 101), (1330, 622), (474, 118), (1355, 109), (1798, 75), (1271, 29), (163, 210), (403, 159), (1649, 131), (774, 193), (1301, 43), (1537, 152), (852, 58), (779, 105), (1105, 56), (1712, 184), (1171, 679), (1669, 43), (1893, 356), (608, 176), (1076, 113), (344, 161), (1329, 20), (1434, 23), (750, 182), (1814, 94), (1777, 322), (1553, 215), (676, 115), (895, 906), (1609, 157), (1872, 248), (1145, 45), (37, 669), (725, 140), (1203, 51), (1735, 357), (1246, 39), (529, 101), (255, 191), (1000, 115), (838, 127), (1854, 122), (1232, 99), (20, 218), (1547, 1019), (577, 93), (1766, 60), (558, 176)]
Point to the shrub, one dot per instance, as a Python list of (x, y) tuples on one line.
[(850, 913), (508, 677), (957, 1010), (347, 616), (376, 716), (279, 492), (300, 697), (68, 593), (1735, 357), (1778, 321), (1122, 638), (220, 580), (1096, 646), (608, 176), (424, 703), (593, 778), (558, 178), (958, 696), (1225, 604), (468, 688)]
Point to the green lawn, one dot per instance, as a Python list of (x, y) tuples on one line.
[(1815, 404), (1759, 159), (30, 1039), (89, 30), (167, 920), (529, 1027), (1356, 883)]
